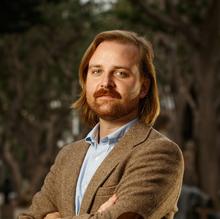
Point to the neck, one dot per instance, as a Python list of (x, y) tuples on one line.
[(109, 126)]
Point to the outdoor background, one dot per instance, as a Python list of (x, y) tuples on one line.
[(41, 43)]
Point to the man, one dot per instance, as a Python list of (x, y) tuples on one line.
[(123, 168)]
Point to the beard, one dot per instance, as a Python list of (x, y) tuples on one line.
[(114, 108)]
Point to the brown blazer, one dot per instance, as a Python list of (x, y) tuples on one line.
[(144, 170)]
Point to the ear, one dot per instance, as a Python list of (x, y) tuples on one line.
[(144, 88)]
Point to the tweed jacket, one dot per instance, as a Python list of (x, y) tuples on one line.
[(144, 170)]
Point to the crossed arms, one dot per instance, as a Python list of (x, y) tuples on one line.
[(148, 187)]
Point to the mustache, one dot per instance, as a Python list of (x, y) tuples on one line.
[(107, 92)]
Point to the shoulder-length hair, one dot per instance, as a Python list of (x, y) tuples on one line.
[(149, 107)]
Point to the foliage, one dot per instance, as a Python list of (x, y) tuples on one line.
[(38, 84)]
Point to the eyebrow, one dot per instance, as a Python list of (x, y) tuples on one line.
[(114, 67), (95, 66)]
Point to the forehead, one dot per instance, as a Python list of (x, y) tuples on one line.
[(115, 51)]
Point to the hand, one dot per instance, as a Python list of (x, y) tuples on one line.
[(54, 215), (107, 204)]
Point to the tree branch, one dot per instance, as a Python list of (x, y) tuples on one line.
[(211, 30), (13, 165), (174, 23)]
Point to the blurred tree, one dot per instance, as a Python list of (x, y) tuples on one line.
[(38, 71), (187, 39), (18, 16)]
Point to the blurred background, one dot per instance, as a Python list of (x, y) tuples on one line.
[(41, 44)]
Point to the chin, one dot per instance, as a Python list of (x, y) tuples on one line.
[(110, 110), (109, 117), (110, 114)]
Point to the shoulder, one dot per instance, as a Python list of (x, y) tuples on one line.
[(158, 141), (150, 144), (146, 137), (71, 149), (73, 146)]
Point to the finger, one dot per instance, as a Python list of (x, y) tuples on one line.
[(111, 201), (113, 198), (103, 207), (54, 215)]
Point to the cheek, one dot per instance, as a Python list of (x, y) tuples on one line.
[(134, 93), (89, 87), (133, 90)]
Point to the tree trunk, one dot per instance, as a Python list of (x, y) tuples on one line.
[(206, 128)]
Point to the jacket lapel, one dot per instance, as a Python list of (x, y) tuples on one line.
[(135, 135), (75, 159)]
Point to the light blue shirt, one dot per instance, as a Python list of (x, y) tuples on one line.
[(96, 153)]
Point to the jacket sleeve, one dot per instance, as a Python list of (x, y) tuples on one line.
[(150, 185), (45, 200)]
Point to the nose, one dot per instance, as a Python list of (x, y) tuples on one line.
[(107, 81)]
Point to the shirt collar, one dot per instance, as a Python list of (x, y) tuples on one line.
[(92, 136), (112, 138)]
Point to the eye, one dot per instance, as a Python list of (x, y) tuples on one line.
[(121, 74), (95, 72)]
